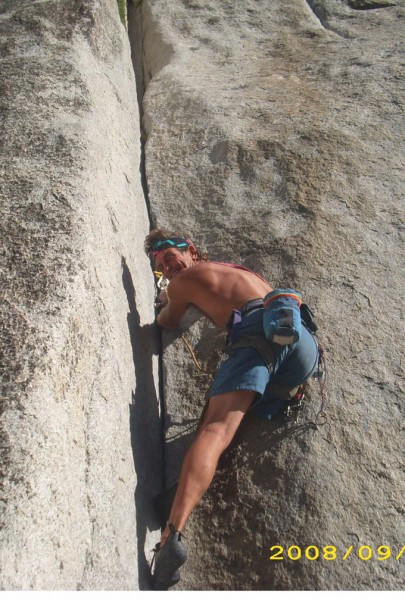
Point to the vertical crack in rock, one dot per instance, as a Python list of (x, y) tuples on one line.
[(135, 34), (255, 113)]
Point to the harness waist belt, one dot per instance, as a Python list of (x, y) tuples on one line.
[(251, 305)]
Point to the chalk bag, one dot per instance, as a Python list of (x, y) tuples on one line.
[(282, 317)]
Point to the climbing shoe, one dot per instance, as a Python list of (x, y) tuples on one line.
[(167, 560)]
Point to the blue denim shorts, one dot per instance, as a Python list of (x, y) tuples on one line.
[(246, 369)]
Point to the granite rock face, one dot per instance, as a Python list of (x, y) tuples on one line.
[(80, 415), (273, 136)]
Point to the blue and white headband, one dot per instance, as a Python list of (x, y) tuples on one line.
[(174, 242)]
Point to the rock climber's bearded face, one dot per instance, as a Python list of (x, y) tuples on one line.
[(172, 260)]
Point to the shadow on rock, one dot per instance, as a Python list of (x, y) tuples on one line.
[(145, 426)]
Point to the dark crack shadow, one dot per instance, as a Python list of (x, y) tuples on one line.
[(369, 4), (145, 426), (320, 12), (136, 38)]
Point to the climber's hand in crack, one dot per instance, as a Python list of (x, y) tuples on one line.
[(161, 300)]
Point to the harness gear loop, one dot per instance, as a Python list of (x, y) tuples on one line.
[(295, 404)]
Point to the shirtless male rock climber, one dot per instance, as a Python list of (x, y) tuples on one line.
[(241, 382)]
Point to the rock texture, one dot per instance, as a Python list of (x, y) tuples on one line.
[(274, 134), (80, 424)]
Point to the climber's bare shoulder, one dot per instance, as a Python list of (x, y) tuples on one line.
[(215, 289)]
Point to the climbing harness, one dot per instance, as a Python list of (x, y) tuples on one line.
[(285, 318), (281, 321)]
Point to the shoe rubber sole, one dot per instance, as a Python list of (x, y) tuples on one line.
[(172, 556)]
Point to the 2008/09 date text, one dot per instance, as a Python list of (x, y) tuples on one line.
[(333, 553)]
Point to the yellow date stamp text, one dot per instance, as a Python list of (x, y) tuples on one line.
[(311, 553)]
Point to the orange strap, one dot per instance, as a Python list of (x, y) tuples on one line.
[(294, 296)]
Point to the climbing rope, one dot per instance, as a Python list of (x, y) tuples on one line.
[(197, 364)]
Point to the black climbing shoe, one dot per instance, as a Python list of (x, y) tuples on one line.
[(175, 578), (167, 560)]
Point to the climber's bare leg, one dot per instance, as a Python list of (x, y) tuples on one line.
[(221, 420)]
